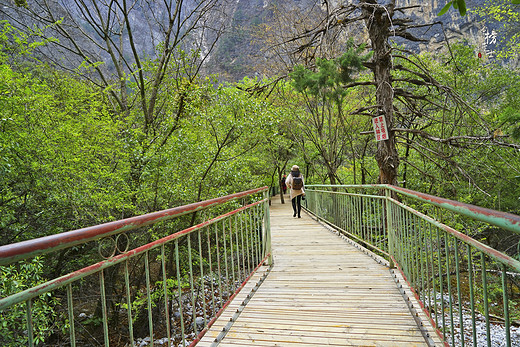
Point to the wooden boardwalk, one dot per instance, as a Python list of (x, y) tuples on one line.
[(321, 291)]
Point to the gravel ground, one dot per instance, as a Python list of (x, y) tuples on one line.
[(497, 330)]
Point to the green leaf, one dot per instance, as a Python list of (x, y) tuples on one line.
[(462, 7), (445, 9)]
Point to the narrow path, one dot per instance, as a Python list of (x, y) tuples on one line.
[(322, 291)]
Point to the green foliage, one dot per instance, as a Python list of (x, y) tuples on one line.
[(323, 129), (457, 4), (59, 152), (479, 105), (507, 15), (511, 115), (14, 279), (331, 75), (21, 3), (460, 5)]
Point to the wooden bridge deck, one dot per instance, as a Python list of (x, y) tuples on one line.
[(321, 291)]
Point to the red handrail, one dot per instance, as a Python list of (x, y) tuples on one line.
[(30, 248)]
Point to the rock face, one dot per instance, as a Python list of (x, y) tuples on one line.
[(240, 48), (236, 53)]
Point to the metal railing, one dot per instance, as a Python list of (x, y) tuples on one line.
[(164, 277), (470, 291)]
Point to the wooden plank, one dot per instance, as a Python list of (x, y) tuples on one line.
[(321, 291)]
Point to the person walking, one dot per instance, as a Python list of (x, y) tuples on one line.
[(295, 183), (283, 184)]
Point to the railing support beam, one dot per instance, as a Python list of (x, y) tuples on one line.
[(389, 228)]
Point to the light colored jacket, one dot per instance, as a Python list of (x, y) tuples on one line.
[(294, 192)]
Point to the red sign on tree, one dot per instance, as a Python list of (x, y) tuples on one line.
[(380, 129)]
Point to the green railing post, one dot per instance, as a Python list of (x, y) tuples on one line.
[(267, 223), (389, 228)]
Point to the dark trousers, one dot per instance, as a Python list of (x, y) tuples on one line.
[(297, 205)]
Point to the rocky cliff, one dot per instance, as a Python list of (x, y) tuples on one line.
[(241, 48), (238, 50)]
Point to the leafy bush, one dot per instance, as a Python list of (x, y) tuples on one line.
[(13, 321)]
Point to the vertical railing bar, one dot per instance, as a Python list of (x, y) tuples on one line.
[(415, 249), (418, 251), (231, 255), (377, 225), (218, 266), (342, 214), (344, 209), (202, 284), (224, 237), (348, 210), (148, 294), (472, 296), (350, 219), (485, 298), (374, 236), (129, 305), (212, 276), (428, 290), (433, 278), (338, 210), (258, 227), (104, 307), (237, 242), (459, 293), (506, 306), (363, 219), (192, 288), (385, 234), (348, 213), (251, 236), (405, 239), (254, 237), (244, 250), (448, 279), (409, 247), (359, 219), (441, 286), (354, 220), (410, 219), (422, 261), (30, 332), (248, 244), (262, 226), (245, 226), (398, 232), (240, 243), (165, 289), (70, 307), (179, 289), (362, 211), (372, 241)]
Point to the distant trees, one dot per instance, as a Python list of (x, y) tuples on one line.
[(124, 45), (323, 122), (145, 57), (438, 108)]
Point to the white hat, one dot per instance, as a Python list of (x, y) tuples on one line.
[(295, 168)]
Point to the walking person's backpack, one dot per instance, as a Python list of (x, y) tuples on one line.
[(297, 183)]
